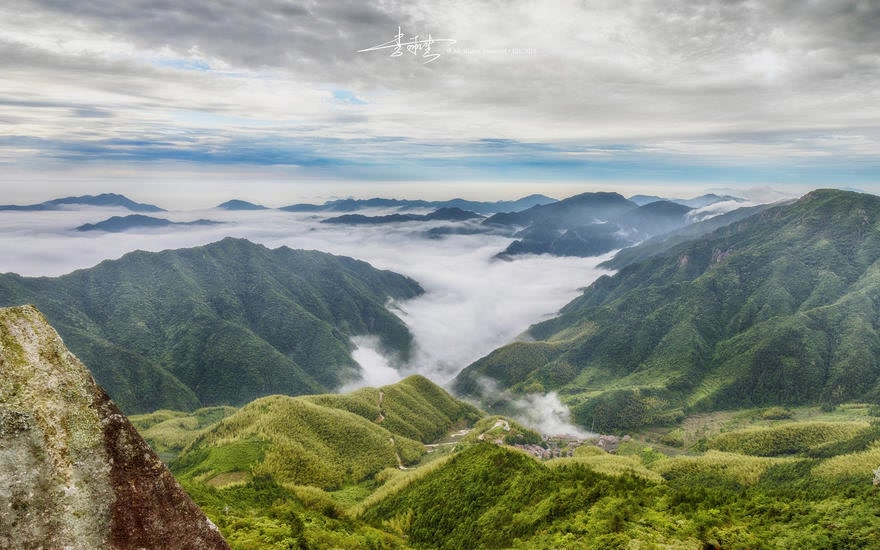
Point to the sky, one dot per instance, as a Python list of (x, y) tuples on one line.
[(196, 102)]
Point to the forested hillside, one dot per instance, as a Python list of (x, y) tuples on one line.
[(219, 324), (779, 308)]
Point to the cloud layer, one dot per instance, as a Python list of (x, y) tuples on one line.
[(472, 303)]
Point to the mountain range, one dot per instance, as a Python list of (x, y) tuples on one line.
[(480, 207), (740, 354), (218, 324), (779, 308), (441, 214), (588, 224), (665, 241)]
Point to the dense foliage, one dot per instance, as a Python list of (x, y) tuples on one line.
[(294, 441), (781, 308), (219, 324), (494, 497)]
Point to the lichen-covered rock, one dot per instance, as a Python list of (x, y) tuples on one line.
[(74, 473)]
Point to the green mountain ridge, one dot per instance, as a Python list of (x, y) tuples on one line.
[(414, 407), (219, 324), (782, 307)]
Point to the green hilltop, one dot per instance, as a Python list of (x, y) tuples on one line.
[(414, 407), (323, 440), (220, 324), (780, 308)]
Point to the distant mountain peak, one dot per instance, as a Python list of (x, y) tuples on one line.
[(236, 204), (104, 199), (448, 213)]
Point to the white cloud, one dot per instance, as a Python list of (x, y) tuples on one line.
[(700, 79), (716, 209), (375, 368), (546, 414)]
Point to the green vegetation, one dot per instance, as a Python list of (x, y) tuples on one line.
[(500, 429), (220, 324), (613, 465), (307, 472), (262, 514), (779, 309), (168, 432), (415, 408), (488, 496), (282, 471), (786, 439), (326, 441), (471, 502), (295, 442)]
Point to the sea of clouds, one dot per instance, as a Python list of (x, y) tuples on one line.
[(473, 303)]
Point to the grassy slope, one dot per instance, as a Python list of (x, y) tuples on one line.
[(325, 440), (415, 407), (217, 324), (262, 474), (169, 432)]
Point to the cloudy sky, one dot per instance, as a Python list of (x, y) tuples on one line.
[(272, 101)]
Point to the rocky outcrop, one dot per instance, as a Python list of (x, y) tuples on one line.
[(74, 473)]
